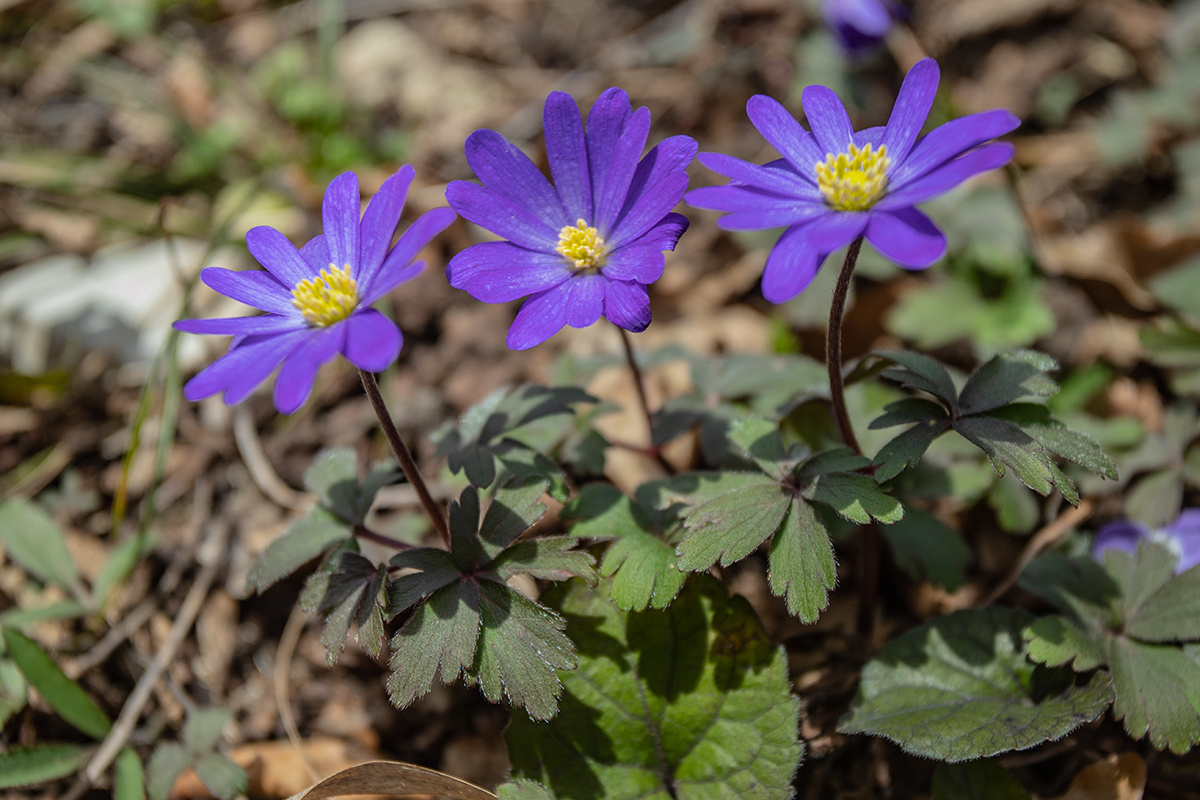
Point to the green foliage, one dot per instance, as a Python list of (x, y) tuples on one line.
[(129, 778), (724, 389), (342, 503), (1130, 617), (1174, 345), (928, 548), (65, 696), (960, 687), (26, 766), (488, 442), (1018, 436), (465, 619), (690, 703), (641, 557), (728, 515), (975, 780), (523, 790), (13, 690), (348, 589), (34, 540), (201, 734)]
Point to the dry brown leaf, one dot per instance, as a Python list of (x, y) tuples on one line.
[(394, 779), (1119, 777)]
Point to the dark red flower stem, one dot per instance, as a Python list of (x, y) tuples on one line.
[(363, 532), (868, 553), (833, 347), (432, 509), (640, 382)]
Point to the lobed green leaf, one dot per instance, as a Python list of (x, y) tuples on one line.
[(304, 540), (1007, 377)]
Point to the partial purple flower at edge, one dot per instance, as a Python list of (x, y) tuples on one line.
[(860, 25), (318, 299), (1181, 537), (586, 246), (835, 184)]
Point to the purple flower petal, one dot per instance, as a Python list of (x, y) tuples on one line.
[(783, 132), (508, 173), (498, 272), (627, 305), (828, 119), (754, 209), (316, 255), (777, 176), (295, 381), (373, 341), (567, 156), (611, 185), (642, 263), (605, 124), (1122, 535), (272, 249), (392, 273), (229, 326), (585, 299), (380, 220), (911, 108), (255, 288), (240, 370), (907, 237), (950, 140), (502, 217), (656, 184), (1186, 533), (543, 315), (649, 209), (948, 176), (791, 265), (839, 229), (666, 232), (340, 213), (871, 136)]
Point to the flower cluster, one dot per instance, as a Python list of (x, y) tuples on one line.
[(586, 246), (835, 184), (1181, 537)]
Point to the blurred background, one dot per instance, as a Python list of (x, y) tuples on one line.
[(141, 139)]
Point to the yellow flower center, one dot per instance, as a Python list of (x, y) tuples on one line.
[(854, 180), (581, 244), (328, 298)]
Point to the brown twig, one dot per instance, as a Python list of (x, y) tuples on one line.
[(1041, 540)]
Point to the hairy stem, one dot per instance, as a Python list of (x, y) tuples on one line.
[(640, 382), (363, 532), (432, 509), (833, 347)]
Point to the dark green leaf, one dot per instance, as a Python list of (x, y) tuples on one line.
[(440, 637), (690, 703), (959, 687), (730, 526), (855, 497), (1017, 509), (1158, 690), (975, 780), (203, 728), (760, 441), (513, 510), (644, 571), (928, 548), (1006, 445), (906, 449), (1051, 434), (910, 409), (521, 644), (304, 540), (802, 568), (1155, 499), (1007, 377), (333, 478), (221, 776), (1057, 641), (550, 558), (437, 568), (63, 694), (918, 371), (523, 790), (27, 766), (129, 779), (13, 690), (1171, 613), (35, 541), (1078, 586), (602, 511)]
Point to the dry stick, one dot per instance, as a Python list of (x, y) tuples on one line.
[(1044, 538), (432, 509), (640, 382), (283, 704), (868, 554), (210, 558)]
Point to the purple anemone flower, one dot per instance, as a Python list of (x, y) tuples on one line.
[(318, 299), (860, 25), (1181, 537), (587, 246), (835, 184)]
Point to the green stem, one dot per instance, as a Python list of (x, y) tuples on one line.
[(432, 509)]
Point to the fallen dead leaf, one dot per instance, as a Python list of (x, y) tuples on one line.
[(277, 768), (1119, 777)]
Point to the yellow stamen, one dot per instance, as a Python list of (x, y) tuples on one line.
[(581, 244), (328, 298), (854, 180)]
